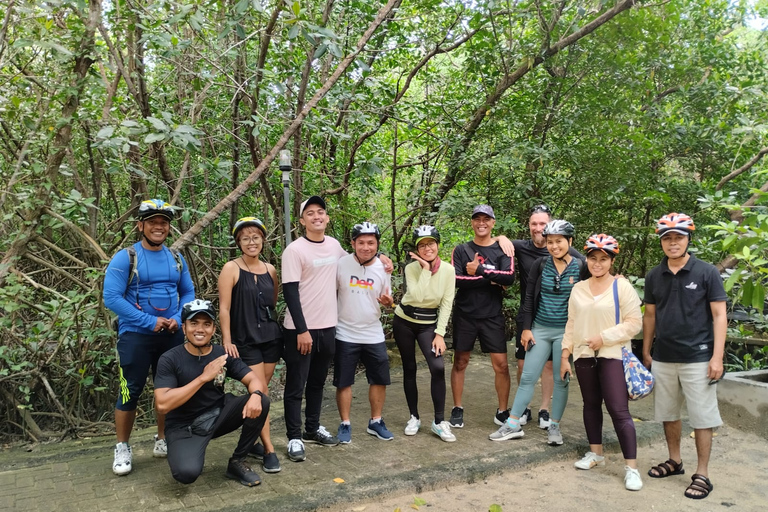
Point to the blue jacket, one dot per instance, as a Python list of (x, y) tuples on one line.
[(158, 290)]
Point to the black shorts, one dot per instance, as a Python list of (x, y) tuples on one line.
[(138, 353), (519, 350), (374, 357), (269, 352), (493, 337)]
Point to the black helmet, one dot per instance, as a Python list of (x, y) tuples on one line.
[(423, 232), (366, 228), (154, 207), (190, 309), (249, 221), (559, 227)]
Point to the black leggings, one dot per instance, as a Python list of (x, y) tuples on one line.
[(602, 379), (406, 335)]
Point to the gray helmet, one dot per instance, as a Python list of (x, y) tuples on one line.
[(559, 227), (365, 228)]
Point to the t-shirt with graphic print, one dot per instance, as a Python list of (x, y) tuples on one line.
[(359, 287), (313, 265)]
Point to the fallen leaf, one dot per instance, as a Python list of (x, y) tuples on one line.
[(419, 501), (338, 480), (494, 508)]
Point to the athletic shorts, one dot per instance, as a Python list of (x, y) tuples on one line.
[(493, 336), (136, 354), (374, 357), (268, 352), (519, 349), (689, 381)]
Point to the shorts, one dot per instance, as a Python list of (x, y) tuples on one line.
[(373, 355), (493, 336), (257, 353), (136, 354), (675, 381), (519, 349)]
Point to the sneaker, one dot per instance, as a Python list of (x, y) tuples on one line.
[(257, 451), (526, 417), (270, 463), (161, 448), (413, 426), (123, 457), (590, 460), (238, 470), (380, 430), (345, 433), (501, 417), (457, 417), (632, 480), (544, 419), (554, 437), (443, 430), (321, 437), (507, 431), (296, 450)]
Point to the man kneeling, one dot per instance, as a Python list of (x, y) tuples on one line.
[(189, 388)]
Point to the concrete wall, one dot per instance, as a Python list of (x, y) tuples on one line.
[(743, 401)]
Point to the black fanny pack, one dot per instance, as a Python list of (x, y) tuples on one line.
[(203, 424), (421, 314)]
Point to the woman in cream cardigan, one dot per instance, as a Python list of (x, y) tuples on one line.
[(595, 339)]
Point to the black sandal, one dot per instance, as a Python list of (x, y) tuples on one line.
[(668, 468), (696, 487)]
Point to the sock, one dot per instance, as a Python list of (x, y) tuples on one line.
[(459, 407), (376, 419), (514, 423), (555, 423), (345, 422)]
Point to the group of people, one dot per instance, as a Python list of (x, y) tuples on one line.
[(572, 309)]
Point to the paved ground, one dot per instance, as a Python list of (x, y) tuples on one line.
[(77, 476)]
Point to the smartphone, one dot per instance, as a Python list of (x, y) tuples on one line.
[(567, 378)]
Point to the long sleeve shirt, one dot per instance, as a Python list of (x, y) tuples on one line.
[(481, 295), (428, 290)]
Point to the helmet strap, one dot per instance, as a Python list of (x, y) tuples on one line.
[(150, 242)]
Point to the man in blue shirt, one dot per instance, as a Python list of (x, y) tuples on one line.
[(145, 286)]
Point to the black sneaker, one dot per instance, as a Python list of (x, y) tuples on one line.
[(526, 417), (240, 471), (257, 451), (544, 419), (321, 436), (271, 463), (457, 417), (501, 417)]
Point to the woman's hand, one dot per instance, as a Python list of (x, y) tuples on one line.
[(230, 349), (438, 345), (424, 263), (595, 342), (526, 339), (565, 365)]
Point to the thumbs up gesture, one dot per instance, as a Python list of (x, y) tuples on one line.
[(472, 265)]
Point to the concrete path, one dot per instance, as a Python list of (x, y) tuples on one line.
[(77, 475)]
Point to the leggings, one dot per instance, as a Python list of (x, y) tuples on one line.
[(406, 335), (548, 341), (603, 379)]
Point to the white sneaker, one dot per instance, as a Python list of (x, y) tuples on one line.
[(123, 457), (554, 437), (413, 426), (590, 460), (443, 430), (161, 448), (632, 479)]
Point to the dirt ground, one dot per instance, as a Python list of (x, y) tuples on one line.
[(738, 471)]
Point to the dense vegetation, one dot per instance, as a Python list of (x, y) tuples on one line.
[(613, 112)]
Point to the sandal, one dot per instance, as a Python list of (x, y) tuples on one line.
[(665, 469), (699, 484)]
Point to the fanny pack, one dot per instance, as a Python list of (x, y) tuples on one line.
[(203, 424), (422, 314)]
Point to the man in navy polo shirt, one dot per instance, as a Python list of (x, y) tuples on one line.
[(685, 309)]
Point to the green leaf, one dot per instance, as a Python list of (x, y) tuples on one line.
[(157, 124), (494, 508), (732, 280), (154, 137), (419, 501), (746, 292), (758, 296), (105, 132), (320, 51), (296, 8), (242, 6), (293, 32)]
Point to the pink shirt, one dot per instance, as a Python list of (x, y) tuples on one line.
[(313, 265)]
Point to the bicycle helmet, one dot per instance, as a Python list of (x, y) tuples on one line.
[(154, 207), (559, 227), (366, 228), (425, 231), (675, 223), (190, 309), (249, 221), (602, 242)]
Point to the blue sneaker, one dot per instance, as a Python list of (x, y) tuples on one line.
[(379, 429), (345, 433)]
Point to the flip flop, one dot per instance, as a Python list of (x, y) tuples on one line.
[(665, 469), (696, 486)]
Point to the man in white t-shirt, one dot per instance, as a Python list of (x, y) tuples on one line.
[(363, 287)]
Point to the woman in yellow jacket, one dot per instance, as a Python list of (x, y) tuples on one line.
[(595, 338)]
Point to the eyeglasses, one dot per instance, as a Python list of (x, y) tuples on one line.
[(540, 208), (556, 288), (252, 239), (426, 244)]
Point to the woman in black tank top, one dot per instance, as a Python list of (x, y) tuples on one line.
[(249, 329)]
